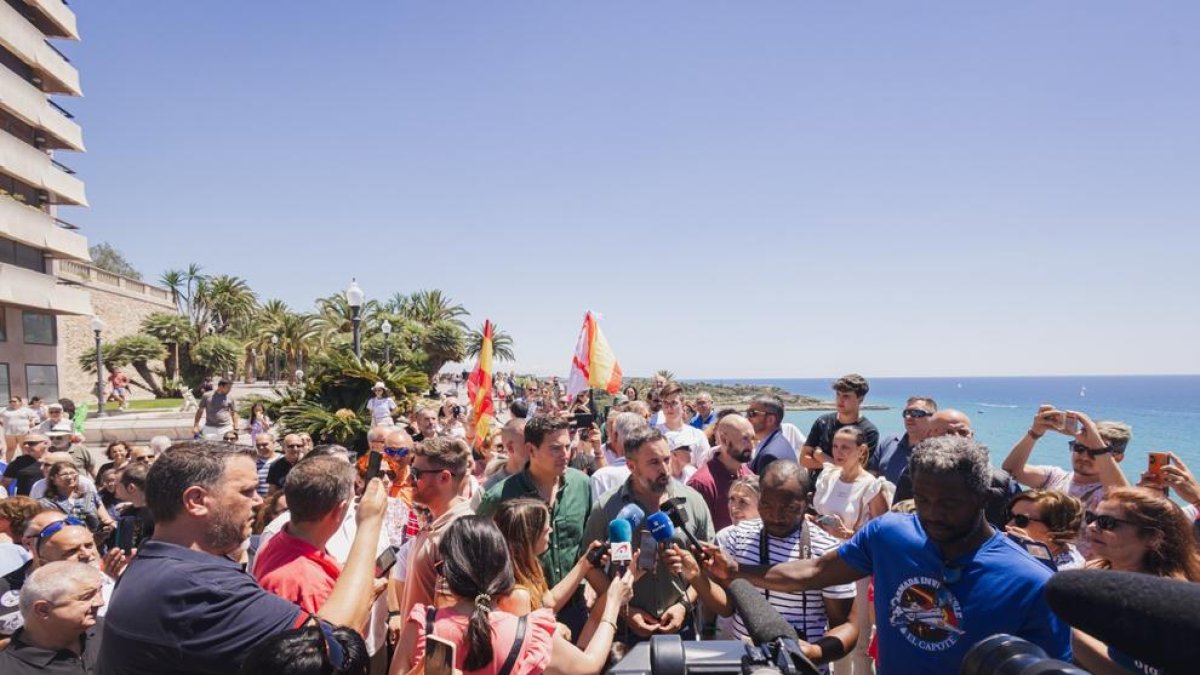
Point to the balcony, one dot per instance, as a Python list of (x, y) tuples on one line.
[(34, 167), (20, 37), (31, 105), (38, 229), (19, 286), (53, 18), (94, 277)]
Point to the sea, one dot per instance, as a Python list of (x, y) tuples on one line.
[(1164, 410)]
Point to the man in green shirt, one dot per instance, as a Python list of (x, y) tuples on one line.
[(568, 493), (661, 600)]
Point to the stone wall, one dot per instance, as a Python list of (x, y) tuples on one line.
[(122, 314)]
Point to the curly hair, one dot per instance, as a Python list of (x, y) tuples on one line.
[(1171, 549)]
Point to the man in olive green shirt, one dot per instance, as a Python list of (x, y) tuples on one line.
[(661, 600), (568, 493)]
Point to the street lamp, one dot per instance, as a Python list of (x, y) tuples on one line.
[(387, 342), (354, 296), (97, 327), (274, 359)]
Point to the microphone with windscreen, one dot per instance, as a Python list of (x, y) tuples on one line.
[(631, 514), (674, 510), (620, 544), (1151, 619), (775, 639)]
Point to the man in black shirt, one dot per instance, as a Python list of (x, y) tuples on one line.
[(27, 469), (850, 391), (135, 524), (59, 602), (293, 450)]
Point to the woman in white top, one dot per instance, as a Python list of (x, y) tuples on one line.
[(846, 497), (381, 406), (17, 420)]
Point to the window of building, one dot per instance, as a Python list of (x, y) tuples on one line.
[(41, 381), (39, 328), (3, 325), (5, 390), (30, 258)]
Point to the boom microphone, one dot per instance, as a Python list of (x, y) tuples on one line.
[(679, 518), (1150, 619), (763, 622)]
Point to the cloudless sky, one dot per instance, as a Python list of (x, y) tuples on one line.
[(742, 189)]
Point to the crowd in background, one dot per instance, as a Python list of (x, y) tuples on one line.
[(254, 549)]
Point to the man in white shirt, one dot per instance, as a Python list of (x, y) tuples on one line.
[(678, 432), (608, 478)]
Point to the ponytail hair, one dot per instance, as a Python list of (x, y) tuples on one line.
[(475, 564)]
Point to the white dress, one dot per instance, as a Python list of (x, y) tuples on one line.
[(849, 501)]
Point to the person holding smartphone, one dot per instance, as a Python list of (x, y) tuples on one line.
[(1096, 449)]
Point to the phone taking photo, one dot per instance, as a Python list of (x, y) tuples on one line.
[(1156, 461), (439, 656), (385, 561), (373, 462)]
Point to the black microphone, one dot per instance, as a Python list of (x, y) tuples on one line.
[(763, 622), (1150, 619), (673, 509)]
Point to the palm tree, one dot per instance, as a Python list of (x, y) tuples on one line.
[(173, 331), (299, 338), (228, 299), (666, 375), (430, 307), (502, 344), (442, 342)]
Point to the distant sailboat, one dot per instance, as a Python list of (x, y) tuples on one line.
[(960, 385), (1082, 392)]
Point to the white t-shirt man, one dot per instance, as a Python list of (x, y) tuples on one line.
[(692, 437)]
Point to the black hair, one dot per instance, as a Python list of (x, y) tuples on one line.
[(541, 426), (475, 563), (518, 409), (302, 651), (182, 466)]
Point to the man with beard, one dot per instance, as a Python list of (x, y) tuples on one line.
[(944, 578), (713, 478), (659, 604), (184, 605)]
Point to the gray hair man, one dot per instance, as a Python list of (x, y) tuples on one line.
[(59, 605), (617, 472)]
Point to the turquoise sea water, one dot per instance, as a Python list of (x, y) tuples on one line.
[(1164, 411)]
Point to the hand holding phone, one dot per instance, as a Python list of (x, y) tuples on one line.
[(1158, 460), (647, 548), (385, 561), (373, 462)]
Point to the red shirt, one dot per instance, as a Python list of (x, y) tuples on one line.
[(295, 570), (712, 481)]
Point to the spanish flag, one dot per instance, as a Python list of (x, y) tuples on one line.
[(594, 364), (479, 389)]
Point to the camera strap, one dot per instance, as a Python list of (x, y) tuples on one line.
[(764, 558)]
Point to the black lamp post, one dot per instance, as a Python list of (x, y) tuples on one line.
[(355, 296), (387, 342), (97, 327), (274, 359)]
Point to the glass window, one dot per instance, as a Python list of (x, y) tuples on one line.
[(30, 258), (41, 381), (3, 325), (39, 329), (4, 388), (7, 254)]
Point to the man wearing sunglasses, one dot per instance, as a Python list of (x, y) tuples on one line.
[(945, 579), (891, 459), (766, 416), (1096, 448), (26, 469), (293, 450)]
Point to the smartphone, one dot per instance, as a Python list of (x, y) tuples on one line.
[(439, 656), (373, 462), (647, 547), (1157, 461), (827, 521), (383, 564), (583, 420), (1070, 425)]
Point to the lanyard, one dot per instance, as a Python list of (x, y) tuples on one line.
[(764, 558)]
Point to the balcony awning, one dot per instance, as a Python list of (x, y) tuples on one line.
[(19, 286), (30, 105), (24, 40), (57, 12), (32, 166), (37, 229)]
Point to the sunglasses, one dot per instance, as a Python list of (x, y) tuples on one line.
[(751, 414), (396, 452), (1078, 447), (417, 473), (1106, 523), (333, 648), (916, 413), (1022, 520), (391, 475), (54, 528)]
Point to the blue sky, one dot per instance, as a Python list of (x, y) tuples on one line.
[(756, 189)]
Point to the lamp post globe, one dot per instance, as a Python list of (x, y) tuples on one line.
[(274, 359), (97, 328), (355, 297), (387, 341)]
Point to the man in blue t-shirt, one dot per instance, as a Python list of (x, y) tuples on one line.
[(944, 579)]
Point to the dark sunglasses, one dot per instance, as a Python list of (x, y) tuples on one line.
[(333, 648), (916, 413), (751, 414), (396, 452), (416, 473), (390, 474), (1106, 523), (54, 528), (1076, 446), (1022, 520)]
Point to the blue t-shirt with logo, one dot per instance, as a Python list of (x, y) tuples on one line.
[(930, 613)]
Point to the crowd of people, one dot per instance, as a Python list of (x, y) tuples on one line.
[(245, 549)]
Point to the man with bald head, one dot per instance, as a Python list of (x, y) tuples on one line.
[(515, 454), (950, 422), (293, 451), (735, 436)]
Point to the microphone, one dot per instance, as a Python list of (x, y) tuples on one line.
[(1150, 619), (679, 517), (660, 527), (634, 514), (620, 538), (766, 627)]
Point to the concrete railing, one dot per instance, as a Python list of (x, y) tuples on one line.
[(94, 276)]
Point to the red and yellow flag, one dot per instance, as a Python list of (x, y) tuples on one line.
[(594, 364), (479, 389)]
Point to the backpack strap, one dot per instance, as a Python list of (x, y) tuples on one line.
[(516, 648)]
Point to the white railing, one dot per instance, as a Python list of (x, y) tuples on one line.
[(94, 276)]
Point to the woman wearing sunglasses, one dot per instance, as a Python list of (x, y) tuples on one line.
[(1135, 530), (1052, 518)]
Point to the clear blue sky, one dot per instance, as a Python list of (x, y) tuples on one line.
[(742, 189)]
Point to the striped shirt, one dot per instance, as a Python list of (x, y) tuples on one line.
[(805, 611)]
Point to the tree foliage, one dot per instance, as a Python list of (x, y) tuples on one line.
[(108, 258)]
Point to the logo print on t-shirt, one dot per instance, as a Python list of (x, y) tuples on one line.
[(927, 614)]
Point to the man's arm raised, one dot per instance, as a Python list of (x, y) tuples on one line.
[(792, 576)]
